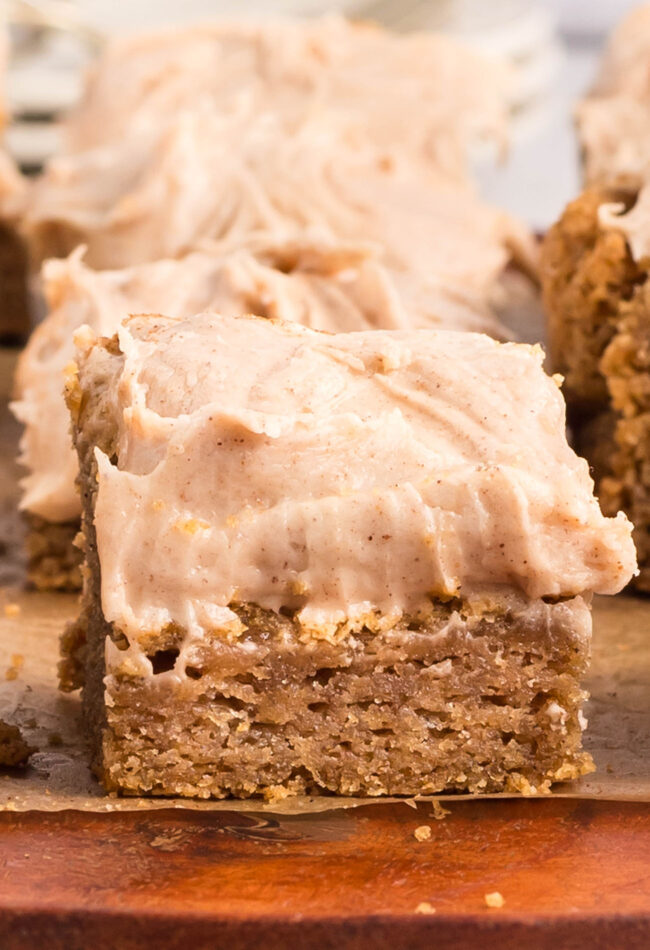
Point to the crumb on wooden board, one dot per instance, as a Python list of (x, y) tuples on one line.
[(494, 899), (424, 907)]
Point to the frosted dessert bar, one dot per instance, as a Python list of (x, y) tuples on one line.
[(595, 279), (330, 286), (350, 563), (597, 300)]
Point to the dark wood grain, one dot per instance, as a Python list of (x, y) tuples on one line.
[(573, 874)]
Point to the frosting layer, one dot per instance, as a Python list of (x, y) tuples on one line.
[(229, 130), (614, 120), (328, 286), (335, 475), (423, 90), (203, 177)]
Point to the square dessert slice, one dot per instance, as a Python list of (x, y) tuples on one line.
[(597, 300), (328, 285), (351, 563)]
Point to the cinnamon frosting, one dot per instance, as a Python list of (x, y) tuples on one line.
[(422, 90), (205, 177), (614, 119), (229, 130), (339, 475), (328, 286)]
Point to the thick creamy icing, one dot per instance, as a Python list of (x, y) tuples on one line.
[(328, 286), (335, 475), (205, 177), (615, 139), (614, 119), (624, 65), (233, 129), (634, 223), (422, 90)]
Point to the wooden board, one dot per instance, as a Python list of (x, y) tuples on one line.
[(575, 875)]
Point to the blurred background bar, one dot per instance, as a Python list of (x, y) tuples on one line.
[(552, 46)]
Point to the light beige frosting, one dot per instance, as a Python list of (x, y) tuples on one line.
[(231, 130), (423, 90), (624, 66), (335, 287), (634, 223), (335, 475), (615, 138), (204, 179), (614, 119)]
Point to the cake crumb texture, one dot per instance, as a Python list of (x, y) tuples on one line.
[(422, 833), (14, 751), (53, 559), (597, 299), (494, 899)]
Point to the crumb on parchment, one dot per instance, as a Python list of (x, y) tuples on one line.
[(13, 671), (494, 899), (12, 610), (422, 833), (438, 811), (14, 751)]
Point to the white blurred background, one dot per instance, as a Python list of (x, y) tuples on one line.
[(553, 45)]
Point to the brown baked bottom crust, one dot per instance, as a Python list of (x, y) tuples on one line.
[(53, 559), (597, 302), (478, 695)]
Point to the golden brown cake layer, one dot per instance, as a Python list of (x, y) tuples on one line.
[(53, 559), (587, 272), (466, 700)]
